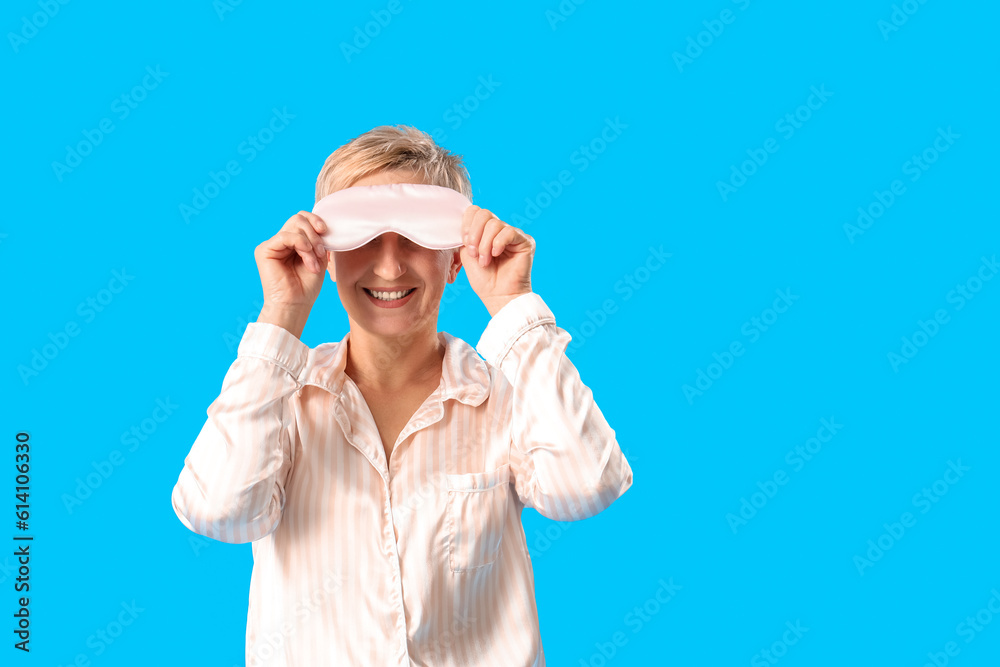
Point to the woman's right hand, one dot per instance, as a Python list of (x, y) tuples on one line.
[(292, 266)]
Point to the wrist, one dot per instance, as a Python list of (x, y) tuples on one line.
[(495, 304), (292, 319)]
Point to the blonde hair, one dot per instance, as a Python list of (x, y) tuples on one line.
[(388, 148)]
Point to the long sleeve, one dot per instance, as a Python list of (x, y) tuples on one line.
[(232, 486), (564, 456)]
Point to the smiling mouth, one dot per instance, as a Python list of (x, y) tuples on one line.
[(389, 296)]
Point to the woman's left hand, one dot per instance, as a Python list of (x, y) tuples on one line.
[(497, 258)]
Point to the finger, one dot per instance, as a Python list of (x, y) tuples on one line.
[(315, 222), (306, 249), (308, 227), (485, 248), (508, 236), (319, 225), (299, 243), (473, 221), (313, 227), (321, 249), (467, 217)]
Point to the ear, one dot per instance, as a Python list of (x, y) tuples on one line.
[(456, 265), (331, 268)]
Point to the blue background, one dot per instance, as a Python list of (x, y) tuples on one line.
[(171, 332)]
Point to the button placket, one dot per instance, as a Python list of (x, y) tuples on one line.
[(392, 553)]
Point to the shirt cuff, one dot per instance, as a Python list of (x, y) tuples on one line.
[(516, 317), (272, 343)]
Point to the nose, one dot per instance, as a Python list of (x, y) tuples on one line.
[(388, 261)]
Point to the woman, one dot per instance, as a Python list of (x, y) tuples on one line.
[(381, 478)]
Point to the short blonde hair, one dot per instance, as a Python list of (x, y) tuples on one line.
[(388, 148)]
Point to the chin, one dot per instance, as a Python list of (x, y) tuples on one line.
[(388, 325)]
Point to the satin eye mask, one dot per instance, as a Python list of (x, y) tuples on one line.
[(429, 215)]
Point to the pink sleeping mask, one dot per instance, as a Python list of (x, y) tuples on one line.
[(429, 215)]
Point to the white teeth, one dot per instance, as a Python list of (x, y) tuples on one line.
[(389, 296)]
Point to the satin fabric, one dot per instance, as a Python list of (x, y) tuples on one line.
[(429, 215)]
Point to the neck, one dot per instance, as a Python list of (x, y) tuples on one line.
[(393, 363)]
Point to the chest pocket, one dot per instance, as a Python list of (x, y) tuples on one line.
[(477, 510)]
